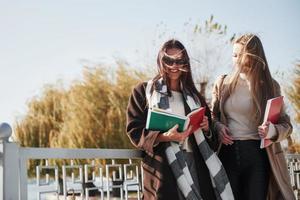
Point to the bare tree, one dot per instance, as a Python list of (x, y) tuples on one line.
[(210, 51), (208, 46)]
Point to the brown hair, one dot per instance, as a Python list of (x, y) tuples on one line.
[(253, 63), (186, 77)]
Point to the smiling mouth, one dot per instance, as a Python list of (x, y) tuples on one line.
[(174, 70)]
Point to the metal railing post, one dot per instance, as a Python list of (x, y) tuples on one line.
[(9, 165)]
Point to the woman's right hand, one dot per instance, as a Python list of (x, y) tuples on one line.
[(224, 135), (173, 135)]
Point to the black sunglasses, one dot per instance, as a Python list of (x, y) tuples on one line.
[(171, 61)]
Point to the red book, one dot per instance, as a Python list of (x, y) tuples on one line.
[(195, 118), (272, 114)]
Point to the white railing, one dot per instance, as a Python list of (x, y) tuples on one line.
[(293, 161), (104, 171), (107, 170)]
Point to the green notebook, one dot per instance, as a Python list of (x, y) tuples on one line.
[(160, 120)]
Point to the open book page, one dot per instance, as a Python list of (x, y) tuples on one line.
[(167, 112)]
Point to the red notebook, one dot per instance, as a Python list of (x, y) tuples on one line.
[(195, 118), (272, 114)]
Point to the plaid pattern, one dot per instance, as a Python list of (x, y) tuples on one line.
[(175, 156)]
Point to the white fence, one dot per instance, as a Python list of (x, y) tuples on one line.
[(293, 161), (107, 172), (104, 171)]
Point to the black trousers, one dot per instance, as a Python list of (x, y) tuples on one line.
[(247, 167)]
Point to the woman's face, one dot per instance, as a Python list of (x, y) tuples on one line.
[(236, 54), (173, 63)]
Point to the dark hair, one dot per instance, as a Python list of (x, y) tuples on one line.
[(186, 77)]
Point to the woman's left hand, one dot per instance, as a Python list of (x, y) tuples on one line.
[(263, 129), (204, 124)]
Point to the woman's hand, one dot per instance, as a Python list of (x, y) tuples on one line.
[(173, 135), (224, 134), (204, 124), (263, 129)]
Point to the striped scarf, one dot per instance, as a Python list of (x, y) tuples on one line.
[(159, 98)]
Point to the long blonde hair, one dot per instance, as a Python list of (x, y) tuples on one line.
[(253, 63)]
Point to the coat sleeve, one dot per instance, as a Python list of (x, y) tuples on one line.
[(212, 140), (284, 127), (215, 103), (137, 110)]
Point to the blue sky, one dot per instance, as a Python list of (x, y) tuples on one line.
[(43, 41)]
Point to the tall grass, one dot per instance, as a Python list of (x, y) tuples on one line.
[(91, 113)]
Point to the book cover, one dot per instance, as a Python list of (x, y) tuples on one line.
[(195, 118), (161, 120), (272, 114)]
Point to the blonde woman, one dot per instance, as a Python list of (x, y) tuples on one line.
[(238, 106)]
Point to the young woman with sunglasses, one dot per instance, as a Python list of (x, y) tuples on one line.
[(238, 106), (176, 165)]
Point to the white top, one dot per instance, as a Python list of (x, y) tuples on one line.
[(176, 103), (239, 109)]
